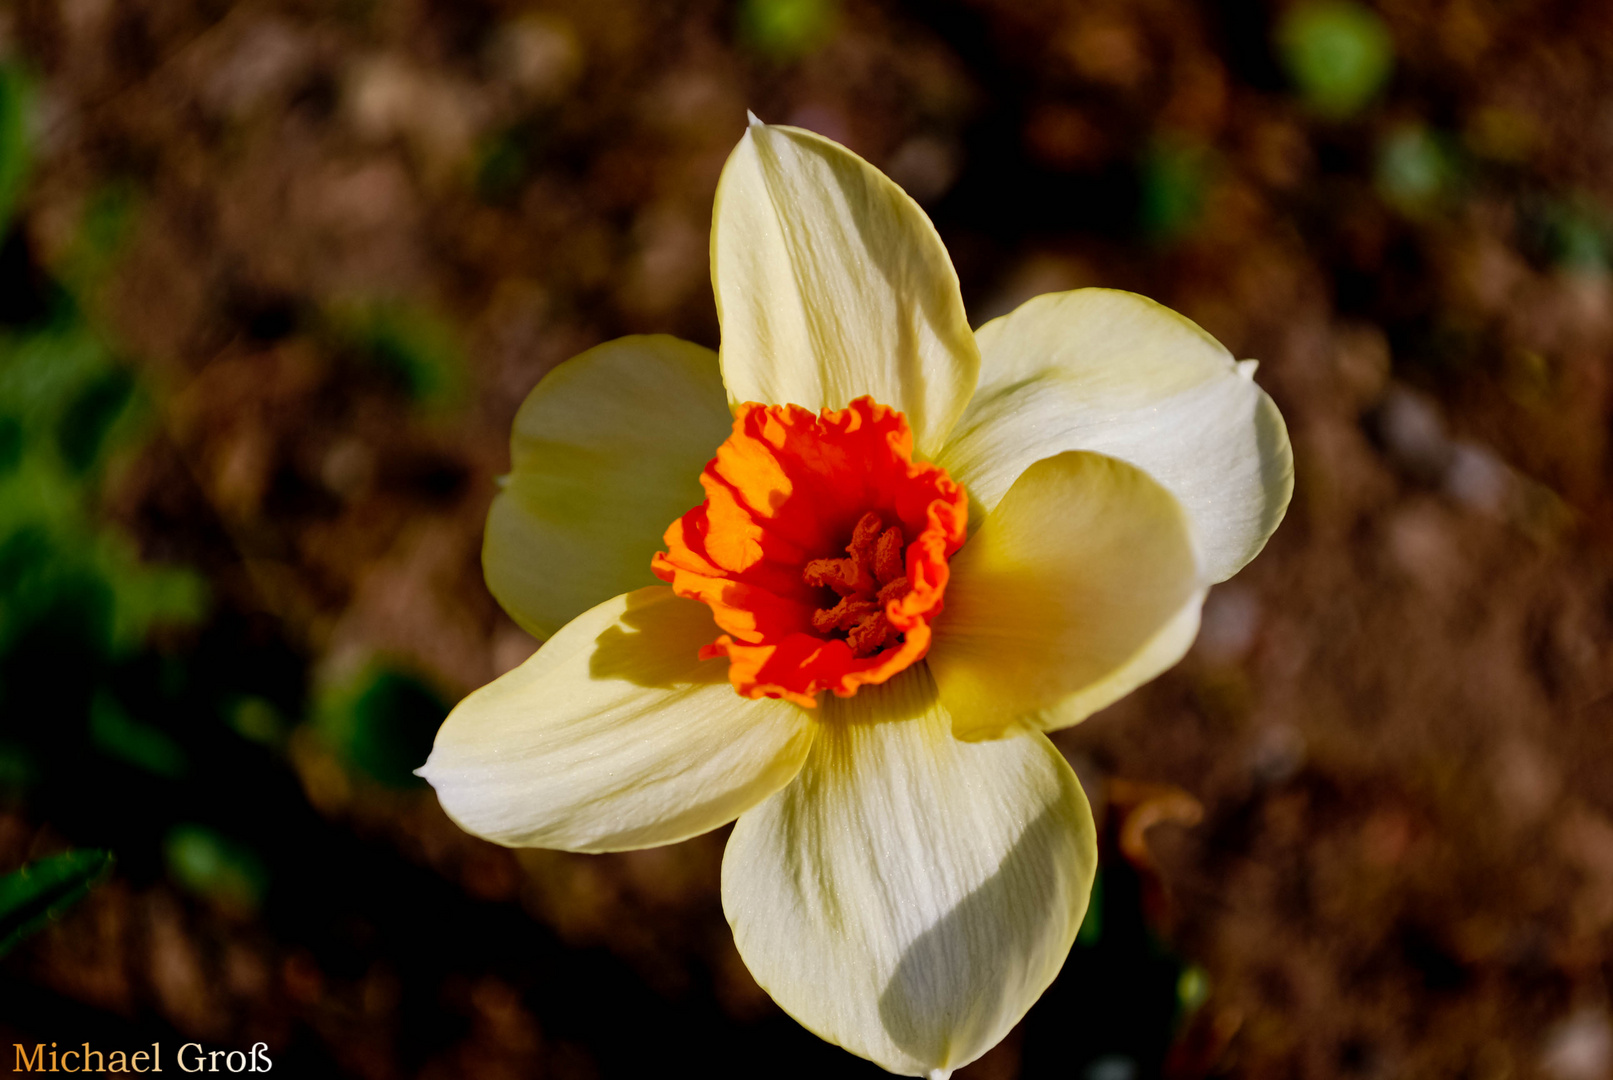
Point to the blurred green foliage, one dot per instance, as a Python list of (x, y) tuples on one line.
[(215, 867), (14, 96), (34, 895), (382, 723), (107, 729), (787, 29), (66, 409), (115, 732), (1175, 176), (257, 719), (1573, 234), (1338, 53), (76, 599), (501, 167), (18, 770), (408, 346), (1417, 169), (108, 218), (505, 160), (1192, 989)]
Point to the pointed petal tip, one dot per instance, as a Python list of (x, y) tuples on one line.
[(917, 970), (612, 737), (1110, 371), (752, 120), (1247, 368), (802, 227)]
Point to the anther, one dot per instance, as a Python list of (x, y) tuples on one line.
[(870, 576)]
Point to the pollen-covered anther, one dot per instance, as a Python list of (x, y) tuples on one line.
[(869, 577)]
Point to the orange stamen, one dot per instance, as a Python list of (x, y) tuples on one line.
[(787, 493), (865, 581)]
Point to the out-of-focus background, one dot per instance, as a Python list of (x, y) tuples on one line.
[(276, 274)]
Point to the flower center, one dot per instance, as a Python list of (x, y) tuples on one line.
[(870, 576), (787, 493)]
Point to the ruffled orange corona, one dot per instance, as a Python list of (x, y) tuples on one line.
[(821, 549)]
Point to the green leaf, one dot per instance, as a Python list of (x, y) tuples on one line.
[(41, 891)]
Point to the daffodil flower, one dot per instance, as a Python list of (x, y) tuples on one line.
[(839, 580)]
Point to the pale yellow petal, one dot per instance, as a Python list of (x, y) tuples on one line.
[(910, 896), (605, 453), (613, 736), (1080, 586), (831, 283), (1097, 369)]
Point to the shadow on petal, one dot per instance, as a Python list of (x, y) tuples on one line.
[(964, 983), (656, 643), (911, 694)]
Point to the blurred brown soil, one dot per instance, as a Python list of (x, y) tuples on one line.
[(1398, 720)]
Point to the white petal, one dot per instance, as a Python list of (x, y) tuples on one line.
[(1097, 369), (910, 896), (605, 453), (614, 736), (831, 283), (1080, 586)]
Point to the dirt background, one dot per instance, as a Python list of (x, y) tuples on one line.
[(355, 234)]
